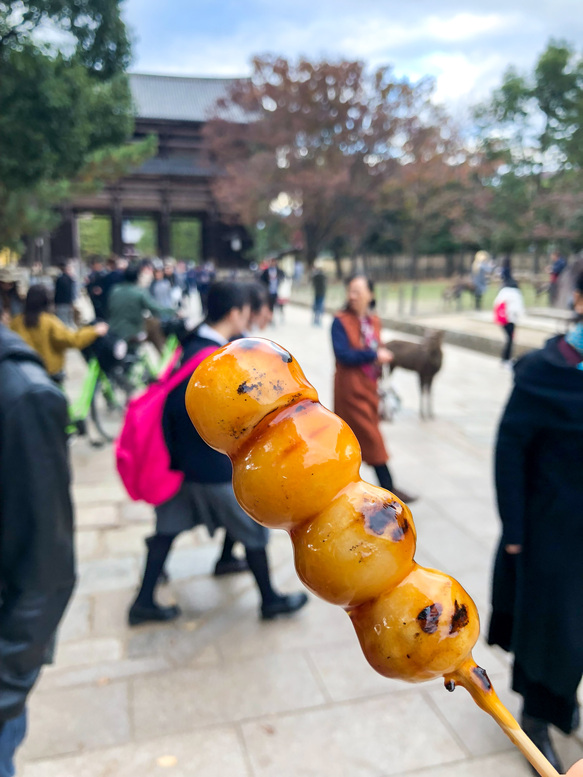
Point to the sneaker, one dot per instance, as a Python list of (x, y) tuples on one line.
[(283, 605), (404, 496), (142, 614), (231, 567)]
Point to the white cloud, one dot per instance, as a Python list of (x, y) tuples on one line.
[(465, 45)]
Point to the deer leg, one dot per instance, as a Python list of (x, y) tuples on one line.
[(421, 405)]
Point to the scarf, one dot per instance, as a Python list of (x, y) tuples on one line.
[(370, 341)]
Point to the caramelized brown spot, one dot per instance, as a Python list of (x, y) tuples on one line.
[(385, 520), (459, 619), (247, 388), (429, 618), (483, 678)]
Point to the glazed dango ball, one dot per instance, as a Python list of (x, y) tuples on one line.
[(423, 628), (296, 467), (359, 546), (238, 386), (307, 451)]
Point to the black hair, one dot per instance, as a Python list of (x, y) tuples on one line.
[(369, 281), (579, 283), (257, 294), (132, 273), (37, 301), (223, 297)]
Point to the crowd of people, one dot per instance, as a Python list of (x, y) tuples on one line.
[(538, 453)]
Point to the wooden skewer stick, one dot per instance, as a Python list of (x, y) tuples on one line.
[(475, 680)]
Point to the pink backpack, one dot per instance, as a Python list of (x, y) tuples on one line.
[(142, 458), (500, 315)]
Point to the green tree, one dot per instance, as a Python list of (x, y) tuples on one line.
[(65, 109), (534, 123)]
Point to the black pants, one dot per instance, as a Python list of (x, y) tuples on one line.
[(507, 350), (540, 702)]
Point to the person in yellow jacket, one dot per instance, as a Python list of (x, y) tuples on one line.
[(49, 337)]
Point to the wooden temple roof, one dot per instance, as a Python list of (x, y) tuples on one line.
[(179, 98)]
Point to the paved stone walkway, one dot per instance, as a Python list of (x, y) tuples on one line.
[(220, 694)]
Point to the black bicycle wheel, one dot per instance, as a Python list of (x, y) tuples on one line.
[(108, 408)]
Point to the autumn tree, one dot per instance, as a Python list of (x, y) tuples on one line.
[(314, 143)]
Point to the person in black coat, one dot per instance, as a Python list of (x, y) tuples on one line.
[(37, 565), (65, 293), (537, 604)]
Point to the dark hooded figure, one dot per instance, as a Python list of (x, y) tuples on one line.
[(537, 596)]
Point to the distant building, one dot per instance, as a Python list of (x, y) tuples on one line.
[(174, 184)]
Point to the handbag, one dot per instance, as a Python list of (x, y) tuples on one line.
[(389, 400)]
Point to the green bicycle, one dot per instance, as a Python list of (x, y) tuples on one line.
[(104, 395)]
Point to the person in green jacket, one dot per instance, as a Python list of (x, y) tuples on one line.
[(127, 304)]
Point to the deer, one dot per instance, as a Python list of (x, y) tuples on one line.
[(424, 358)]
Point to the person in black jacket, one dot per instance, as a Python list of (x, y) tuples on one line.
[(37, 566), (65, 295), (207, 494), (538, 573)]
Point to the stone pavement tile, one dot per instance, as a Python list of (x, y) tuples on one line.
[(504, 765), (102, 515), (126, 541), (474, 516), (214, 752), (479, 733), (319, 623), (136, 512), (190, 698), (107, 574), (175, 642), (77, 621), (347, 675), (455, 550), (102, 673), (88, 651), (199, 596), (186, 562), (382, 736), (74, 719), (110, 490), (88, 544), (110, 612)]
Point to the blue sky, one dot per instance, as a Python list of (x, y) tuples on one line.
[(466, 46)]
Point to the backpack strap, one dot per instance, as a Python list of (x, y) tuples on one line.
[(188, 368)]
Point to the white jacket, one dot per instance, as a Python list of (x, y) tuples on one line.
[(514, 303)]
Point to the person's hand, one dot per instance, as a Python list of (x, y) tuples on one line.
[(101, 328), (513, 550), (384, 356), (576, 770)]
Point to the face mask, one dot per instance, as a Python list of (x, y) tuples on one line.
[(575, 339)]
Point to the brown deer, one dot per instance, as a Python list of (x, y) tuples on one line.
[(424, 358)]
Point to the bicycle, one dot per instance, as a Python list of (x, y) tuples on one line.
[(105, 393)]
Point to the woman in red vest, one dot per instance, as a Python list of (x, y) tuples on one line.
[(356, 338)]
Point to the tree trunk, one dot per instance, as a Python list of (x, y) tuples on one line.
[(536, 258), (338, 262), (450, 264)]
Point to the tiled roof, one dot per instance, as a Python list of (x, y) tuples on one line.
[(181, 98)]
